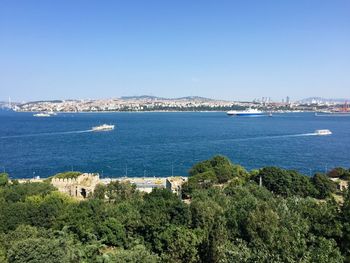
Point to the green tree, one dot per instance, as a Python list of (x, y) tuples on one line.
[(285, 183), (160, 209), (324, 251), (243, 201), (323, 218), (201, 167), (203, 180), (19, 192), (43, 211), (207, 209), (100, 192), (324, 186), (235, 251), (4, 179), (111, 233), (128, 214), (137, 254), (82, 219), (12, 215), (178, 244), (345, 216), (37, 250), (221, 166), (116, 191)]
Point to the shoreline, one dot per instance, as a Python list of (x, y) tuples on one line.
[(159, 111)]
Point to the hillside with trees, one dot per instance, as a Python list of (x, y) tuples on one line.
[(225, 214)]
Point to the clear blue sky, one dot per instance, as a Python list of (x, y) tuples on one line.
[(222, 49)]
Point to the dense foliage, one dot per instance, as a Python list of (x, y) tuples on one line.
[(227, 217), (67, 175), (340, 172)]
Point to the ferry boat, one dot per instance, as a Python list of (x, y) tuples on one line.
[(248, 112), (42, 114), (323, 132), (104, 127), (52, 113)]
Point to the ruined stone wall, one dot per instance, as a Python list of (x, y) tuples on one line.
[(79, 187)]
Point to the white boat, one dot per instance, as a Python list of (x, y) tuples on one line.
[(323, 132), (104, 127), (248, 112), (42, 114)]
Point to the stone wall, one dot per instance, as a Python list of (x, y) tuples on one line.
[(341, 184), (174, 184), (80, 187)]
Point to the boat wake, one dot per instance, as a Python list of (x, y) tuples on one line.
[(44, 134), (294, 135), (270, 137), (220, 141)]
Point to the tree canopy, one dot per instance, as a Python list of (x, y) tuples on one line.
[(227, 217)]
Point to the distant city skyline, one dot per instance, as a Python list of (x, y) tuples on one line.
[(231, 50), (286, 99)]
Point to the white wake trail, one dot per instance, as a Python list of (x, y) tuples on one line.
[(266, 137), (44, 134), (292, 135)]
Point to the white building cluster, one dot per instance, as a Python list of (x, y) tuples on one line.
[(124, 104)]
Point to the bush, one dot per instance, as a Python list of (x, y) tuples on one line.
[(67, 175), (219, 166)]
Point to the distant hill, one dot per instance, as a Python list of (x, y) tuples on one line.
[(141, 97), (162, 98), (52, 101), (195, 98), (126, 98)]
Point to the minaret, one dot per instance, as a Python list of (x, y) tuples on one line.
[(10, 106)]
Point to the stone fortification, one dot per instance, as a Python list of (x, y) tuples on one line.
[(174, 184), (83, 185), (79, 187)]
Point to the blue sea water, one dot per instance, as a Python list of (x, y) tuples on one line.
[(162, 144)]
